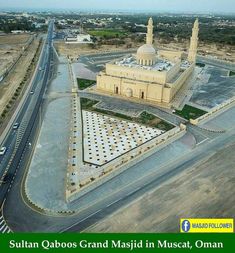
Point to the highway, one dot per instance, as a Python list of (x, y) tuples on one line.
[(28, 220), (22, 218), (16, 140)]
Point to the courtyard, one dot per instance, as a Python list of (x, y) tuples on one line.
[(213, 87), (106, 138)]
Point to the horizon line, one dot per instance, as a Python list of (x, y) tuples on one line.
[(21, 9)]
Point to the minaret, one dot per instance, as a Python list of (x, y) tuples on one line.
[(149, 36), (192, 54)]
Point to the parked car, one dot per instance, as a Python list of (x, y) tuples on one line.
[(31, 92), (3, 150)]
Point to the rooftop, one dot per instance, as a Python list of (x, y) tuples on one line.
[(160, 65)]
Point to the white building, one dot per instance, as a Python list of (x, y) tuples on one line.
[(80, 39)]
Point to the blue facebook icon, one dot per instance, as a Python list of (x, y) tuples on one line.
[(185, 225)]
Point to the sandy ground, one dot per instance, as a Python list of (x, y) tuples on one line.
[(214, 50), (10, 47), (14, 39), (76, 50), (223, 52), (204, 191), (10, 84)]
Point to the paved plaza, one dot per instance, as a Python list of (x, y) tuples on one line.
[(106, 138), (225, 120), (46, 178), (213, 87), (81, 71)]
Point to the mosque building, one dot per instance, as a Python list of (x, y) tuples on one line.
[(150, 75)]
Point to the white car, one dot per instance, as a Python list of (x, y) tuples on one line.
[(15, 126), (3, 150)]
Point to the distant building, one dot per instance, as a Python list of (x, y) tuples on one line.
[(80, 38), (18, 31), (150, 75)]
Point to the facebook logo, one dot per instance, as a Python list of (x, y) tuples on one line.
[(185, 225)]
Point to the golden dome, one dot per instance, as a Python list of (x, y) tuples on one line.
[(146, 55), (146, 49)]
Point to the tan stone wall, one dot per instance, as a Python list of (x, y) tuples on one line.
[(108, 83), (138, 83), (170, 55), (173, 71), (122, 86), (181, 80), (136, 73), (214, 111), (167, 95), (155, 92)]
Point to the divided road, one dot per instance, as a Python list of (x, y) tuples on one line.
[(24, 219), (16, 140)]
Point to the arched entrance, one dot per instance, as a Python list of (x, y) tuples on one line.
[(129, 92), (116, 90), (142, 95)]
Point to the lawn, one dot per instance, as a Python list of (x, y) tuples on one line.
[(87, 104), (231, 73), (190, 112), (84, 83), (107, 33), (151, 120), (144, 118)]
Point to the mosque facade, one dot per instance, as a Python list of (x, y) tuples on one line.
[(149, 75)]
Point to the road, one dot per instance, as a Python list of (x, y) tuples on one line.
[(216, 62), (16, 140), (125, 104), (26, 219)]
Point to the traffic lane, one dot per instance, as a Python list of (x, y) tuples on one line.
[(19, 117), (6, 185), (7, 156), (9, 141), (39, 75)]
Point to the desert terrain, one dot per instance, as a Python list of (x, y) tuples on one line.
[(10, 47), (225, 52), (17, 76)]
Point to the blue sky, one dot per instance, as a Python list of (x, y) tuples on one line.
[(205, 6)]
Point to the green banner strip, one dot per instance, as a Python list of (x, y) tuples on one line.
[(116, 243)]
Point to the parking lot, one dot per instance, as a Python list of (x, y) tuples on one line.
[(214, 87)]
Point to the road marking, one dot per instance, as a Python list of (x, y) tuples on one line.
[(114, 202), (5, 229), (1, 228), (86, 218), (202, 141), (109, 204)]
